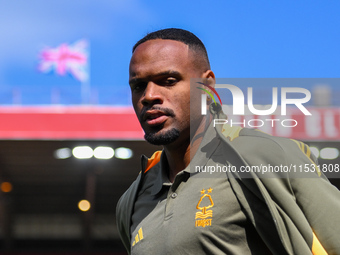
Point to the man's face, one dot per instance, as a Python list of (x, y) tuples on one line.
[(160, 72)]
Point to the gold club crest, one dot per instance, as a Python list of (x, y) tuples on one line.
[(205, 203)]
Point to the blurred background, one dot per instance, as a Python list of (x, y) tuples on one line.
[(70, 143)]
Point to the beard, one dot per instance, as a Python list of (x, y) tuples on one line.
[(155, 136), (162, 138)]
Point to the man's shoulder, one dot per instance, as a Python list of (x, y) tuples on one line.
[(253, 137), (255, 145), (127, 199), (128, 196), (124, 210)]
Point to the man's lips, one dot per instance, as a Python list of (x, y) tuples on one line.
[(157, 121), (155, 117)]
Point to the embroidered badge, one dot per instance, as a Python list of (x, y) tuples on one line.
[(204, 204)]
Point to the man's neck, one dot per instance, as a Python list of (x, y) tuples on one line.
[(179, 156)]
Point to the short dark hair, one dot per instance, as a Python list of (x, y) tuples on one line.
[(180, 35)]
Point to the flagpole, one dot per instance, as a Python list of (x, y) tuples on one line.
[(86, 92), (86, 83)]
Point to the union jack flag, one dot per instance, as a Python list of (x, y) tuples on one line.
[(66, 58)]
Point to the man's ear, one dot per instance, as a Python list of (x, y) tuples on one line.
[(209, 78)]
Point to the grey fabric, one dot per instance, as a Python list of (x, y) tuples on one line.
[(284, 208)]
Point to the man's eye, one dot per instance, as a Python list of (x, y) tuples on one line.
[(169, 81), (138, 86)]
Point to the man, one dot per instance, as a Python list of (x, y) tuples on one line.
[(171, 209)]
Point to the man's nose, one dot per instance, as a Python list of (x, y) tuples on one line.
[(152, 94)]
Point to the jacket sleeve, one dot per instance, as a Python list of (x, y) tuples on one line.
[(308, 205), (124, 211), (318, 199)]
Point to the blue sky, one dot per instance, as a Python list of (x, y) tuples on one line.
[(245, 39)]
